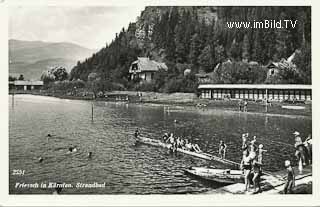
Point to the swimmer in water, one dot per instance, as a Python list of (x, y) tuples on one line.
[(72, 149), (48, 136), (40, 159), (89, 154)]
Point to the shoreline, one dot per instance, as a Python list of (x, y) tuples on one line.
[(185, 101)]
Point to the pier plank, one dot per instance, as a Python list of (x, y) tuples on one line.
[(272, 183)]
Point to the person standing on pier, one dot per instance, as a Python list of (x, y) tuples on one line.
[(257, 171), (244, 146), (222, 149), (260, 153), (240, 105), (246, 167), (290, 178), (300, 148), (245, 106), (308, 145)]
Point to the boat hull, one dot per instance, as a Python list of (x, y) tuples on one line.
[(225, 176)]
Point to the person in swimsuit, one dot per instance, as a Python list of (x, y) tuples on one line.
[(254, 140), (188, 145), (246, 167), (252, 151), (182, 143), (260, 153), (290, 178), (256, 169), (196, 148), (170, 139), (89, 154), (222, 149), (165, 137), (308, 145), (136, 133), (245, 106), (244, 146), (300, 152), (240, 105)]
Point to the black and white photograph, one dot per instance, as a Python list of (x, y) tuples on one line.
[(160, 100)]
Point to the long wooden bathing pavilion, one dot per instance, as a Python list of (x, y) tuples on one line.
[(279, 92)]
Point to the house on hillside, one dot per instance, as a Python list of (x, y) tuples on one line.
[(144, 68), (275, 67)]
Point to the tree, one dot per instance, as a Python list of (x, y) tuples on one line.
[(245, 47), (302, 60), (195, 49), (219, 54), (234, 51), (12, 78), (54, 74), (60, 73), (205, 59)]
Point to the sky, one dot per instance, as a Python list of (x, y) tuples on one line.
[(91, 27)]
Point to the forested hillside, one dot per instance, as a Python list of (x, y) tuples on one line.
[(198, 38)]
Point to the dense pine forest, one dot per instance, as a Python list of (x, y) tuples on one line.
[(198, 39)]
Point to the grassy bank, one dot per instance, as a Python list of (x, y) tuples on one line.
[(180, 99)]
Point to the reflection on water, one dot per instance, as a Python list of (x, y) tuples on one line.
[(128, 168)]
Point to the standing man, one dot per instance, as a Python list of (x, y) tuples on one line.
[(240, 105), (308, 145), (256, 169), (300, 152), (244, 146), (222, 149), (290, 178)]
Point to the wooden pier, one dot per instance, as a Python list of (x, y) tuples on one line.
[(272, 183)]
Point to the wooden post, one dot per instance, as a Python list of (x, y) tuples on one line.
[(92, 111), (266, 100)]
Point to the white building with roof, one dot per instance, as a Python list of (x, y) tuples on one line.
[(25, 85), (278, 92)]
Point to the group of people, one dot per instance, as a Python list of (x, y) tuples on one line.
[(251, 163), (252, 158), (180, 143), (243, 105)]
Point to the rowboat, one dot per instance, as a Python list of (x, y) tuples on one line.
[(225, 176), (202, 155)]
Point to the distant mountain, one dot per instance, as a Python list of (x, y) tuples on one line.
[(31, 58)]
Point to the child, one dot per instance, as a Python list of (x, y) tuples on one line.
[(290, 179)]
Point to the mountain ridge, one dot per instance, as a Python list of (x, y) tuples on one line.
[(31, 58)]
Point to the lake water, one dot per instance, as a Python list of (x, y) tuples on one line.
[(127, 168)]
